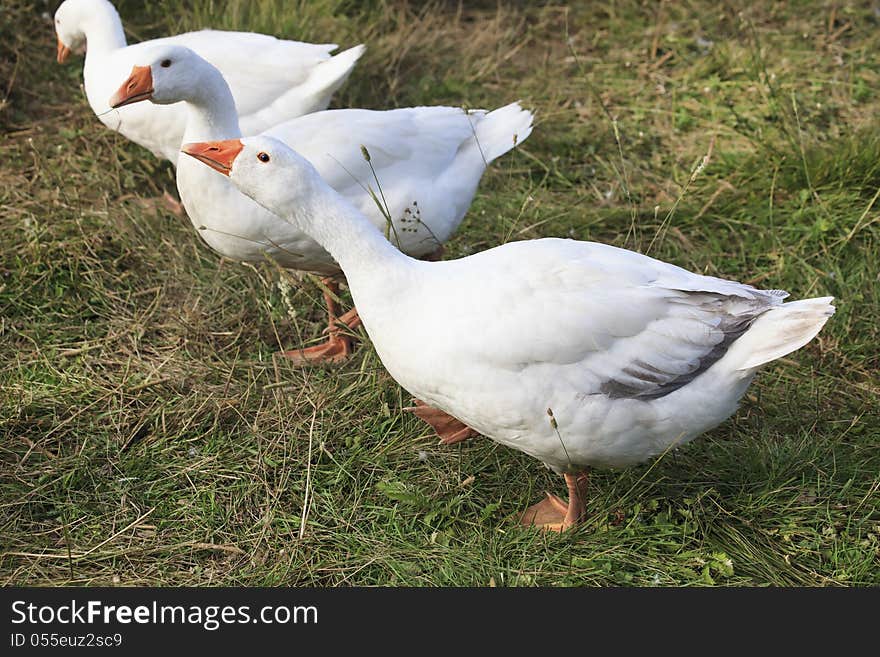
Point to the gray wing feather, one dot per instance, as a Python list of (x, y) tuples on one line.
[(646, 381)]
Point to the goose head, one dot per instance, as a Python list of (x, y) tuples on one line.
[(164, 74), (267, 170), (70, 18), (78, 21)]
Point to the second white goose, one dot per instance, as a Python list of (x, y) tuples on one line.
[(428, 162)]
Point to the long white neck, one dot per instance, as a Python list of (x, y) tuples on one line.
[(103, 29), (366, 257), (211, 112)]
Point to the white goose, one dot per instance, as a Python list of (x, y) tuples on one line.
[(428, 161), (271, 80), (576, 353)]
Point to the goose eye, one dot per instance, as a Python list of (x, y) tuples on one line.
[(165, 63), (263, 157)]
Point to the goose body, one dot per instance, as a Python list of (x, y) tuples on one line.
[(271, 80), (631, 355), (428, 162)]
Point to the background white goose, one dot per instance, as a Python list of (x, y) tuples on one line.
[(576, 353), (428, 161), (272, 80)]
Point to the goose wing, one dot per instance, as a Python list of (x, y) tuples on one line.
[(622, 324)]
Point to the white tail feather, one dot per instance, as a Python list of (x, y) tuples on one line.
[(779, 331), (313, 95), (330, 75), (502, 129)]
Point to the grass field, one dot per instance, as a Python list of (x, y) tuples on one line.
[(148, 436)]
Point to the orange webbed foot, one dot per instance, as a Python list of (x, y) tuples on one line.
[(449, 429)]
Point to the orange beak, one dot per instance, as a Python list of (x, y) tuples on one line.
[(63, 52), (218, 155), (139, 86)]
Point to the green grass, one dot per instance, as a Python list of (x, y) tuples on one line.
[(148, 436)]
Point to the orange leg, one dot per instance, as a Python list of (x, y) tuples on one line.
[(351, 319), (172, 204), (435, 255), (449, 429), (338, 345), (552, 514)]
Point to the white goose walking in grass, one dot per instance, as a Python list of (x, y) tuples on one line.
[(423, 165), (576, 353), (272, 80)]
